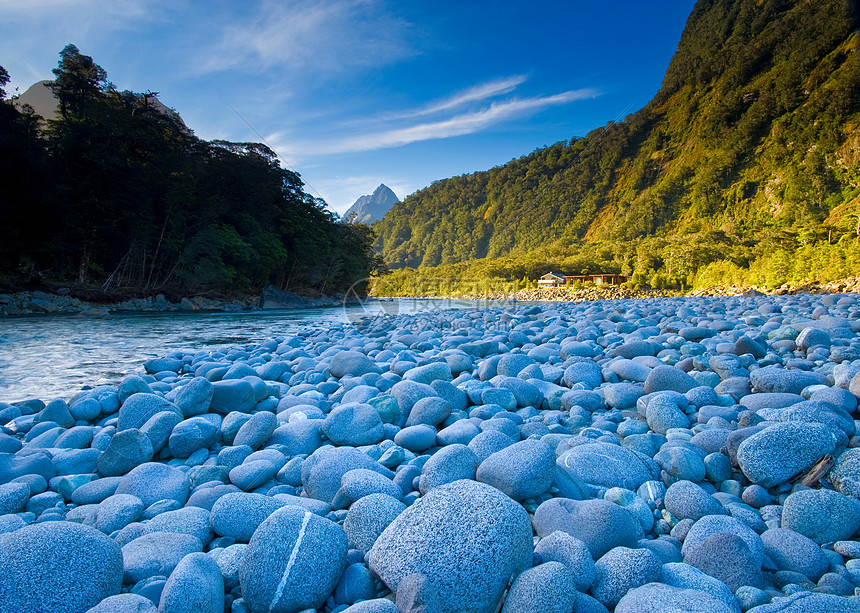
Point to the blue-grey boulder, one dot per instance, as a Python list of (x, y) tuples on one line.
[(810, 602), (187, 520), (684, 576), (322, 470), (822, 515), (467, 538), (360, 482), (13, 497), (430, 411), (669, 378), (138, 408), (194, 586), (713, 524), (574, 554), (156, 553), (153, 481), (449, 464), (546, 588), (293, 562), (659, 598), (601, 525), (239, 514), (620, 570), (191, 435), (790, 550), (158, 428), (257, 431), (127, 449), (845, 474), (194, 397), (687, 500), (232, 395), (350, 363), (777, 453), (117, 511), (726, 556), (606, 465), (368, 517), (416, 438), (522, 470), (790, 381), (125, 603), (353, 424), (57, 566)]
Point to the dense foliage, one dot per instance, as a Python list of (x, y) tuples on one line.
[(118, 191), (752, 142)]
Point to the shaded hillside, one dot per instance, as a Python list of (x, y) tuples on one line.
[(116, 193), (753, 135)]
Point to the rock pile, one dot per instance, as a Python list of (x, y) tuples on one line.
[(661, 455)]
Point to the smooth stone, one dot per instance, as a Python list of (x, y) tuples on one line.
[(239, 514), (191, 435), (95, 491), (790, 550), (574, 554), (127, 449), (322, 470), (781, 380), (601, 525), (845, 474), (117, 511), (684, 576), (187, 520), (726, 556), (777, 453), (714, 524), (293, 562), (465, 537), (138, 408), (57, 566), (232, 395), (809, 602), (256, 431), (522, 470), (156, 553), (353, 424), (449, 464), (125, 603), (687, 500), (489, 442), (607, 465), (195, 586), (152, 482), (195, 397), (368, 517), (416, 438), (822, 515), (669, 378), (159, 427), (622, 569), (431, 411), (546, 588), (659, 598), (13, 497)]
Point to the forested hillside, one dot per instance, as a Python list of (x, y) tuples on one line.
[(751, 144), (118, 194)]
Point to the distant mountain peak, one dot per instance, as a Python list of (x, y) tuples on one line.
[(368, 209)]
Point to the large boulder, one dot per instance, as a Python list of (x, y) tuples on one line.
[(601, 525), (607, 465), (777, 453), (293, 562), (466, 538), (138, 408), (57, 566)]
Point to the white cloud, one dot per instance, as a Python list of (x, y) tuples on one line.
[(473, 94), (458, 125), (329, 35)]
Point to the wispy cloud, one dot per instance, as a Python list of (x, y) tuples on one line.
[(329, 35), (478, 93), (458, 125)]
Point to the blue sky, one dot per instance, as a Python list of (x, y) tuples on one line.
[(354, 93)]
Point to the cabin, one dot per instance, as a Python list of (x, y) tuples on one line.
[(552, 279)]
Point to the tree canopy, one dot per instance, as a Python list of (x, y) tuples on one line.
[(118, 192)]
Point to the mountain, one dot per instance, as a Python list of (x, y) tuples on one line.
[(368, 209), (752, 141)]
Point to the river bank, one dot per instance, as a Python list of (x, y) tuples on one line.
[(65, 301), (626, 455)]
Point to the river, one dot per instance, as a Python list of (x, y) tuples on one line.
[(49, 357)]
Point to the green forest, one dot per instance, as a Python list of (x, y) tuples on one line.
[(117, 194), (743, 168)]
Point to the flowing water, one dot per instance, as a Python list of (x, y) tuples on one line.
[(51, 357)]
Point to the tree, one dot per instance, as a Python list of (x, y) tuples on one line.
[(78, 81), (4, 79)]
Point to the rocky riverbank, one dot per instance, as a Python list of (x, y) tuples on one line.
[(660, 455), (64, 303)]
